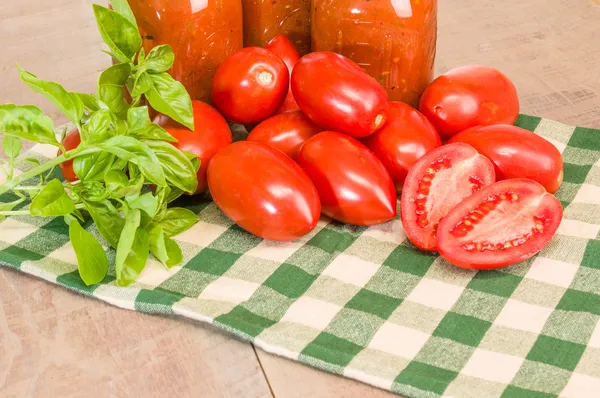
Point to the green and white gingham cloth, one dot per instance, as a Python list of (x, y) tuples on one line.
[(364, 303)]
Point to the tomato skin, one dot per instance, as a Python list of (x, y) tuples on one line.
[(337, 95), (405, 138), (286, 132), (353, 185), (504, 241), (469, 96), (435, 184), (250, 85), (285, 49), (516, 153), (71, 141), (263, 191)]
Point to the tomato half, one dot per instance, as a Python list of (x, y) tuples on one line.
[(469, 96), (502, 224), (336, 94), (353, 185), (286, 132), (71, 141), (435, 184), (516, 153), (285, 49), (263, 191), (250, 85), (405, 138), (211, 133)]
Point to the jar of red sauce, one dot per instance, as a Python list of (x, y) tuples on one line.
[(265, 19), (202, 34), (392, 40)]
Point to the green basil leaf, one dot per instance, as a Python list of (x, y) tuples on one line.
[(97, 127), (177, 220), (174, 194), (27, 122), (12, 146), (166, 250), (122, 7), (169, 97), (91, 102), (132, 250), (159, 59), (111, 88), (91, 258), (141, 127), (9, 206), (120, 34), (94, 191), (132, 222), (146, 202), (52, 201), (115, 181), (142, 84), (93, 167), (141, 55), (174, 252), (178, 169), (107, 219)]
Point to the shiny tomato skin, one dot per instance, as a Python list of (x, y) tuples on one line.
[(285, 49), (285, 132), (71, 141), (250, 85), (509, 222), (211, 133), (469, 96), (353, 185), (516, 153), (337, 95), (263, 191), (406, 137), (435, 184)]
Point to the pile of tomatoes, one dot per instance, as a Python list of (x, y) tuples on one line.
[(325, 139)]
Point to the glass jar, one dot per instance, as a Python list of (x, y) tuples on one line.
[(202, 34), (265, 19), (392, 40)]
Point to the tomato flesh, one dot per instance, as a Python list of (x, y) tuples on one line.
[(281, 46), (435, 184), (71, 141), (500, 225)]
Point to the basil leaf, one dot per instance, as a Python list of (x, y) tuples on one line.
[(177, 220), (159, 59), (91, 102), (111, 88), (169, 97), (132, 250), (107, 219), (12, 146), (178, 169), (97, 127), (146, 202), (120, 34), (93, 167), (27, 122), (91, 258), (9, 206), (142, 84), (141, 127), (122, 7), (52, 200), (174, 194), (94, 191), (166, 250), (115, 181), (174, 252), (141, 55)]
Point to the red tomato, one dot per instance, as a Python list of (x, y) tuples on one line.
[(353, 185), (250, 85), (435, 184), (71, 141), (263, 191), (286, 132), (336, 94), (211, 133), (502, 224), (469, 96), (516, 153), (285, 49), (405, 138)]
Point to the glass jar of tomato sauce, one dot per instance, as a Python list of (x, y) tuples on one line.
[(202, 34), (265, 19), (392, 40)]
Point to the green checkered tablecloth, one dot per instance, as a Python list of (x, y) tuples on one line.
[(364, 303)]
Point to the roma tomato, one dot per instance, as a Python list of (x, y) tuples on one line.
[(405, 138), (250, 85), (336, 94), (286, 132), (263, 191), (353, 185), (435, 184), (285, 49), (211, 133), (469, 96), (502, 224), (516, 153), (71, 141)]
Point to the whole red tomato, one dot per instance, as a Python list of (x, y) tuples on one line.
[(336, 94), (250, 85), (516, 153), (71, 141), (405, 138), (285, 49), (469, 96), (211, 133), (263, 191), (353, 185), (286, 132)]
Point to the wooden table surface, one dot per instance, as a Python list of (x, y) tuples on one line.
[(54, 343)]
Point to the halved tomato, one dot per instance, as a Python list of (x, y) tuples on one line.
[(502, 224), (435, 184)]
